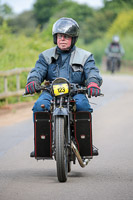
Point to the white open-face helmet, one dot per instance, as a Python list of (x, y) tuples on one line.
[(116, 38)]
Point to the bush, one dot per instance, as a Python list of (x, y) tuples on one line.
[(122, 25)]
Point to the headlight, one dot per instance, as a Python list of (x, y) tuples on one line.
[(60, 86)]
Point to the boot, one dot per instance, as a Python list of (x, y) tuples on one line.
[(95, 151), (32, 154)]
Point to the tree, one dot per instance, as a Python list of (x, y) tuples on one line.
[(5, 11), (122, 25), (23, 23), (118, 5), (44, 9)]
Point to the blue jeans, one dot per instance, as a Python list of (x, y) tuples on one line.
[(82, 103)]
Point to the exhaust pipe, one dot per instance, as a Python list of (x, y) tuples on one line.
[(81, 162)]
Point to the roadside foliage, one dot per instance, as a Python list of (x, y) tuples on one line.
[(23, 37)]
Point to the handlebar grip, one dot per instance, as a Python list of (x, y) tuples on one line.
[(38, 90)]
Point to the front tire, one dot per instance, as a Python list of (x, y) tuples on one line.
[(69, 166), (61, 148)]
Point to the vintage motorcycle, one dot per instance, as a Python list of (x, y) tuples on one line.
[(62, 133)]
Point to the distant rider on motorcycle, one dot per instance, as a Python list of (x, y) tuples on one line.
[(114, 49), (67, 61)]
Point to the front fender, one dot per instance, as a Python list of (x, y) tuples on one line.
[(60, 111)]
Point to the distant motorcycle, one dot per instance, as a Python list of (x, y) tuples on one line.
[(113, 62), (63, 133)]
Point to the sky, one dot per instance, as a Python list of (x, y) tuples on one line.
[(19, 6)]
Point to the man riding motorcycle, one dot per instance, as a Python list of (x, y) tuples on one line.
[(67, 61)]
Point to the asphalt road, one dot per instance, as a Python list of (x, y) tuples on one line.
[(107, 177)]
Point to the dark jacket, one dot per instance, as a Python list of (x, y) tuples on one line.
[(76, 65), (114, 48)]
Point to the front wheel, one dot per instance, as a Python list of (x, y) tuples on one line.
[(61, 148), (112, 66)]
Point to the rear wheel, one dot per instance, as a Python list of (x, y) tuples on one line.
[(61, 148)]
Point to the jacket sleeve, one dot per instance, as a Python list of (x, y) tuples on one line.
[(91, 72), (39, 72)]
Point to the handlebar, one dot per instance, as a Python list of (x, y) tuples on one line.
[(75, 88)]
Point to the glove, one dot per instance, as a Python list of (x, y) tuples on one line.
[(93, 90), (30, 88)]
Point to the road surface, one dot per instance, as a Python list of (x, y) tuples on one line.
[(107, 177)]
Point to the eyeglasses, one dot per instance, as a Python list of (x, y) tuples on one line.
[(67, 37)]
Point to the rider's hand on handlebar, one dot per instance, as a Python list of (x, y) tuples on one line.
[(31, 87), (93, 89)]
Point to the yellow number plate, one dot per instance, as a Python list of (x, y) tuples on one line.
[(60, 89)]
